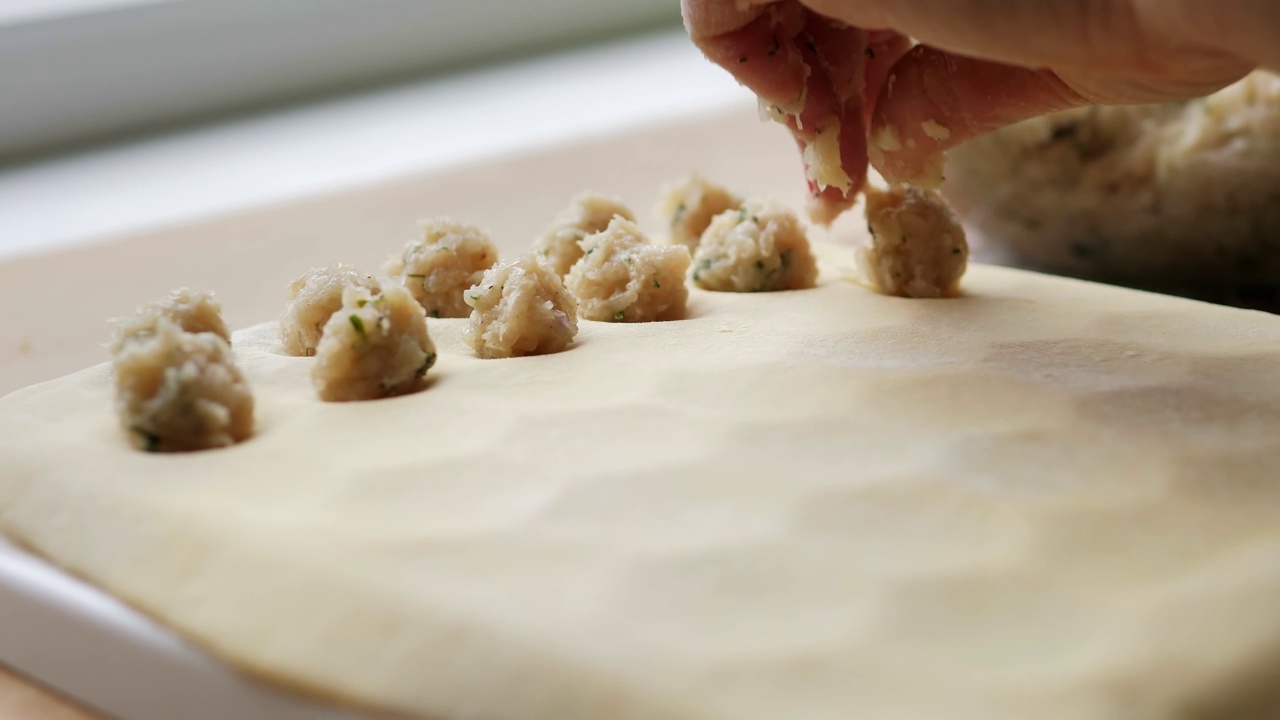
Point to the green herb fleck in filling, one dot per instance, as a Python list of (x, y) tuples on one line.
[(358, 324), (427, 364), (150, 440), (703, 264)]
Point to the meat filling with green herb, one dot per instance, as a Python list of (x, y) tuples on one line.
[(623, 277), (191, 310), (917, 247), (587, 213), (687, 207), (313, 298), (179, 391), (449, 259), (760, 247), (521, 308), (374, 346)]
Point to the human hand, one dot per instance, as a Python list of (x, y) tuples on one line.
[(981, 64)]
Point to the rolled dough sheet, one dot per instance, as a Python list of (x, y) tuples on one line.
[(1047, 499)]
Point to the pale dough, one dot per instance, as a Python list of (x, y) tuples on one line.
[(313, 297), (1046, 499), (521, 308)]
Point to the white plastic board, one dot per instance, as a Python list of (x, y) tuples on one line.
[(92, 648)]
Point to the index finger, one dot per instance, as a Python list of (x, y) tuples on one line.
[(810, 72), (747, 40)]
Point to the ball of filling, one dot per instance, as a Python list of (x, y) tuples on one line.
[(622, 277), (688, 206), (374, 346), (312, 299), (449, 260), (1177, 197), (918, 248), (191, 310), (760, 247), (587, 213), (521, 308), (178, 391)]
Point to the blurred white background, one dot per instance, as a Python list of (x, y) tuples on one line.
[(123, 115)]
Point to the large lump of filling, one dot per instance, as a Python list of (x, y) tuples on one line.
[(450, 258), (588, 213), (1179, 198), (314, 297), (760, 247), (625, 278), (192, 311), (918, 248), (521, 308), (374, 346), (180, 391), (687, 207)]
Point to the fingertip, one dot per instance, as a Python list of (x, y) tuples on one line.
[(932, 101), (711, 18)]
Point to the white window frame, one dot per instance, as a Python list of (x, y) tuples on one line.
[(73, 71)]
